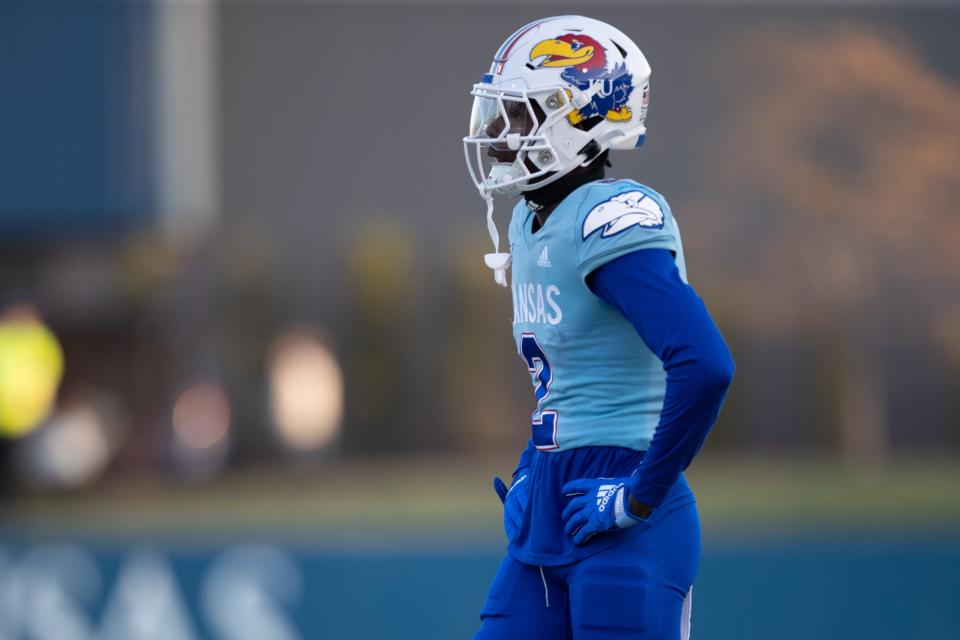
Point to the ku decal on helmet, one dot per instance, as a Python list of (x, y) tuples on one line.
[(585, 63), (559, 93)]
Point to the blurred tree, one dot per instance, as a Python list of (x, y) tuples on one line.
[(831, 207), (487, 393), (379, 367)]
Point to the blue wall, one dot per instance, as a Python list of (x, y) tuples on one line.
[(839, 587), (75, 117)]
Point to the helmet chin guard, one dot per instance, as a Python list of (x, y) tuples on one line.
[(503, 174), (560, 91)]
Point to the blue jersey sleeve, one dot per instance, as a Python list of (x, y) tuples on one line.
[(674, 323), (620, 217)]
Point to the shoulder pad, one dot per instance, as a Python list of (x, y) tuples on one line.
[(612, 207), (617, 217)]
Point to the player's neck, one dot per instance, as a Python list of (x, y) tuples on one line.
[(544, 200)]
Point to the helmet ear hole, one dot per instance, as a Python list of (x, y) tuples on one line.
[(589, 123), (538, 112)]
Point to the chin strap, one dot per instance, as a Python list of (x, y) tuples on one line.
[(497, 261)]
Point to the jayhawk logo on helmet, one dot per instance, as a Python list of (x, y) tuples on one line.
[(585, 62)]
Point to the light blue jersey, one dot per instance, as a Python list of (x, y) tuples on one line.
[(595, 381)]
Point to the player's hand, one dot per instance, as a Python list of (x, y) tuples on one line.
[(597, 505), (514, 502)]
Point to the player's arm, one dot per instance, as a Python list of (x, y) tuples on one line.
[(675, 324), (671, 319)]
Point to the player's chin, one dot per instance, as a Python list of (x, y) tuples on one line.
[(501, 154)]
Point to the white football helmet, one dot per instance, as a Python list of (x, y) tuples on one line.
[(560, 92)]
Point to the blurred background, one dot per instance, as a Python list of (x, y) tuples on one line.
[(255, 378)]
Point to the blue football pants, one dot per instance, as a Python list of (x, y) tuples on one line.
[(637, 590)]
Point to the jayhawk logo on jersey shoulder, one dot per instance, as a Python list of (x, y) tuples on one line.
[(619, 213), (585, 60)]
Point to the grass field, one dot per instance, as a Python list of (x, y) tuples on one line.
[(404, 499), (793, 550)]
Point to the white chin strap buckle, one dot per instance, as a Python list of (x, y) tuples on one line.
[(499, 262)]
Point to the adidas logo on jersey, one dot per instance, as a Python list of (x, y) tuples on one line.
[(544, 259)]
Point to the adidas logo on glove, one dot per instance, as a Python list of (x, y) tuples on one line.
[(605, 493)]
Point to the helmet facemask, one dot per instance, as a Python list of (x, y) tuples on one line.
[(509, 148)]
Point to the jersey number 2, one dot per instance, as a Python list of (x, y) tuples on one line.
[(544, 420)]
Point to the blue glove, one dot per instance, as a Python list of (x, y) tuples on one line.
[(514, 502), (597, 505)]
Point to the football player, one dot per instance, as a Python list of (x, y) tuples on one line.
[(629, 371)]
